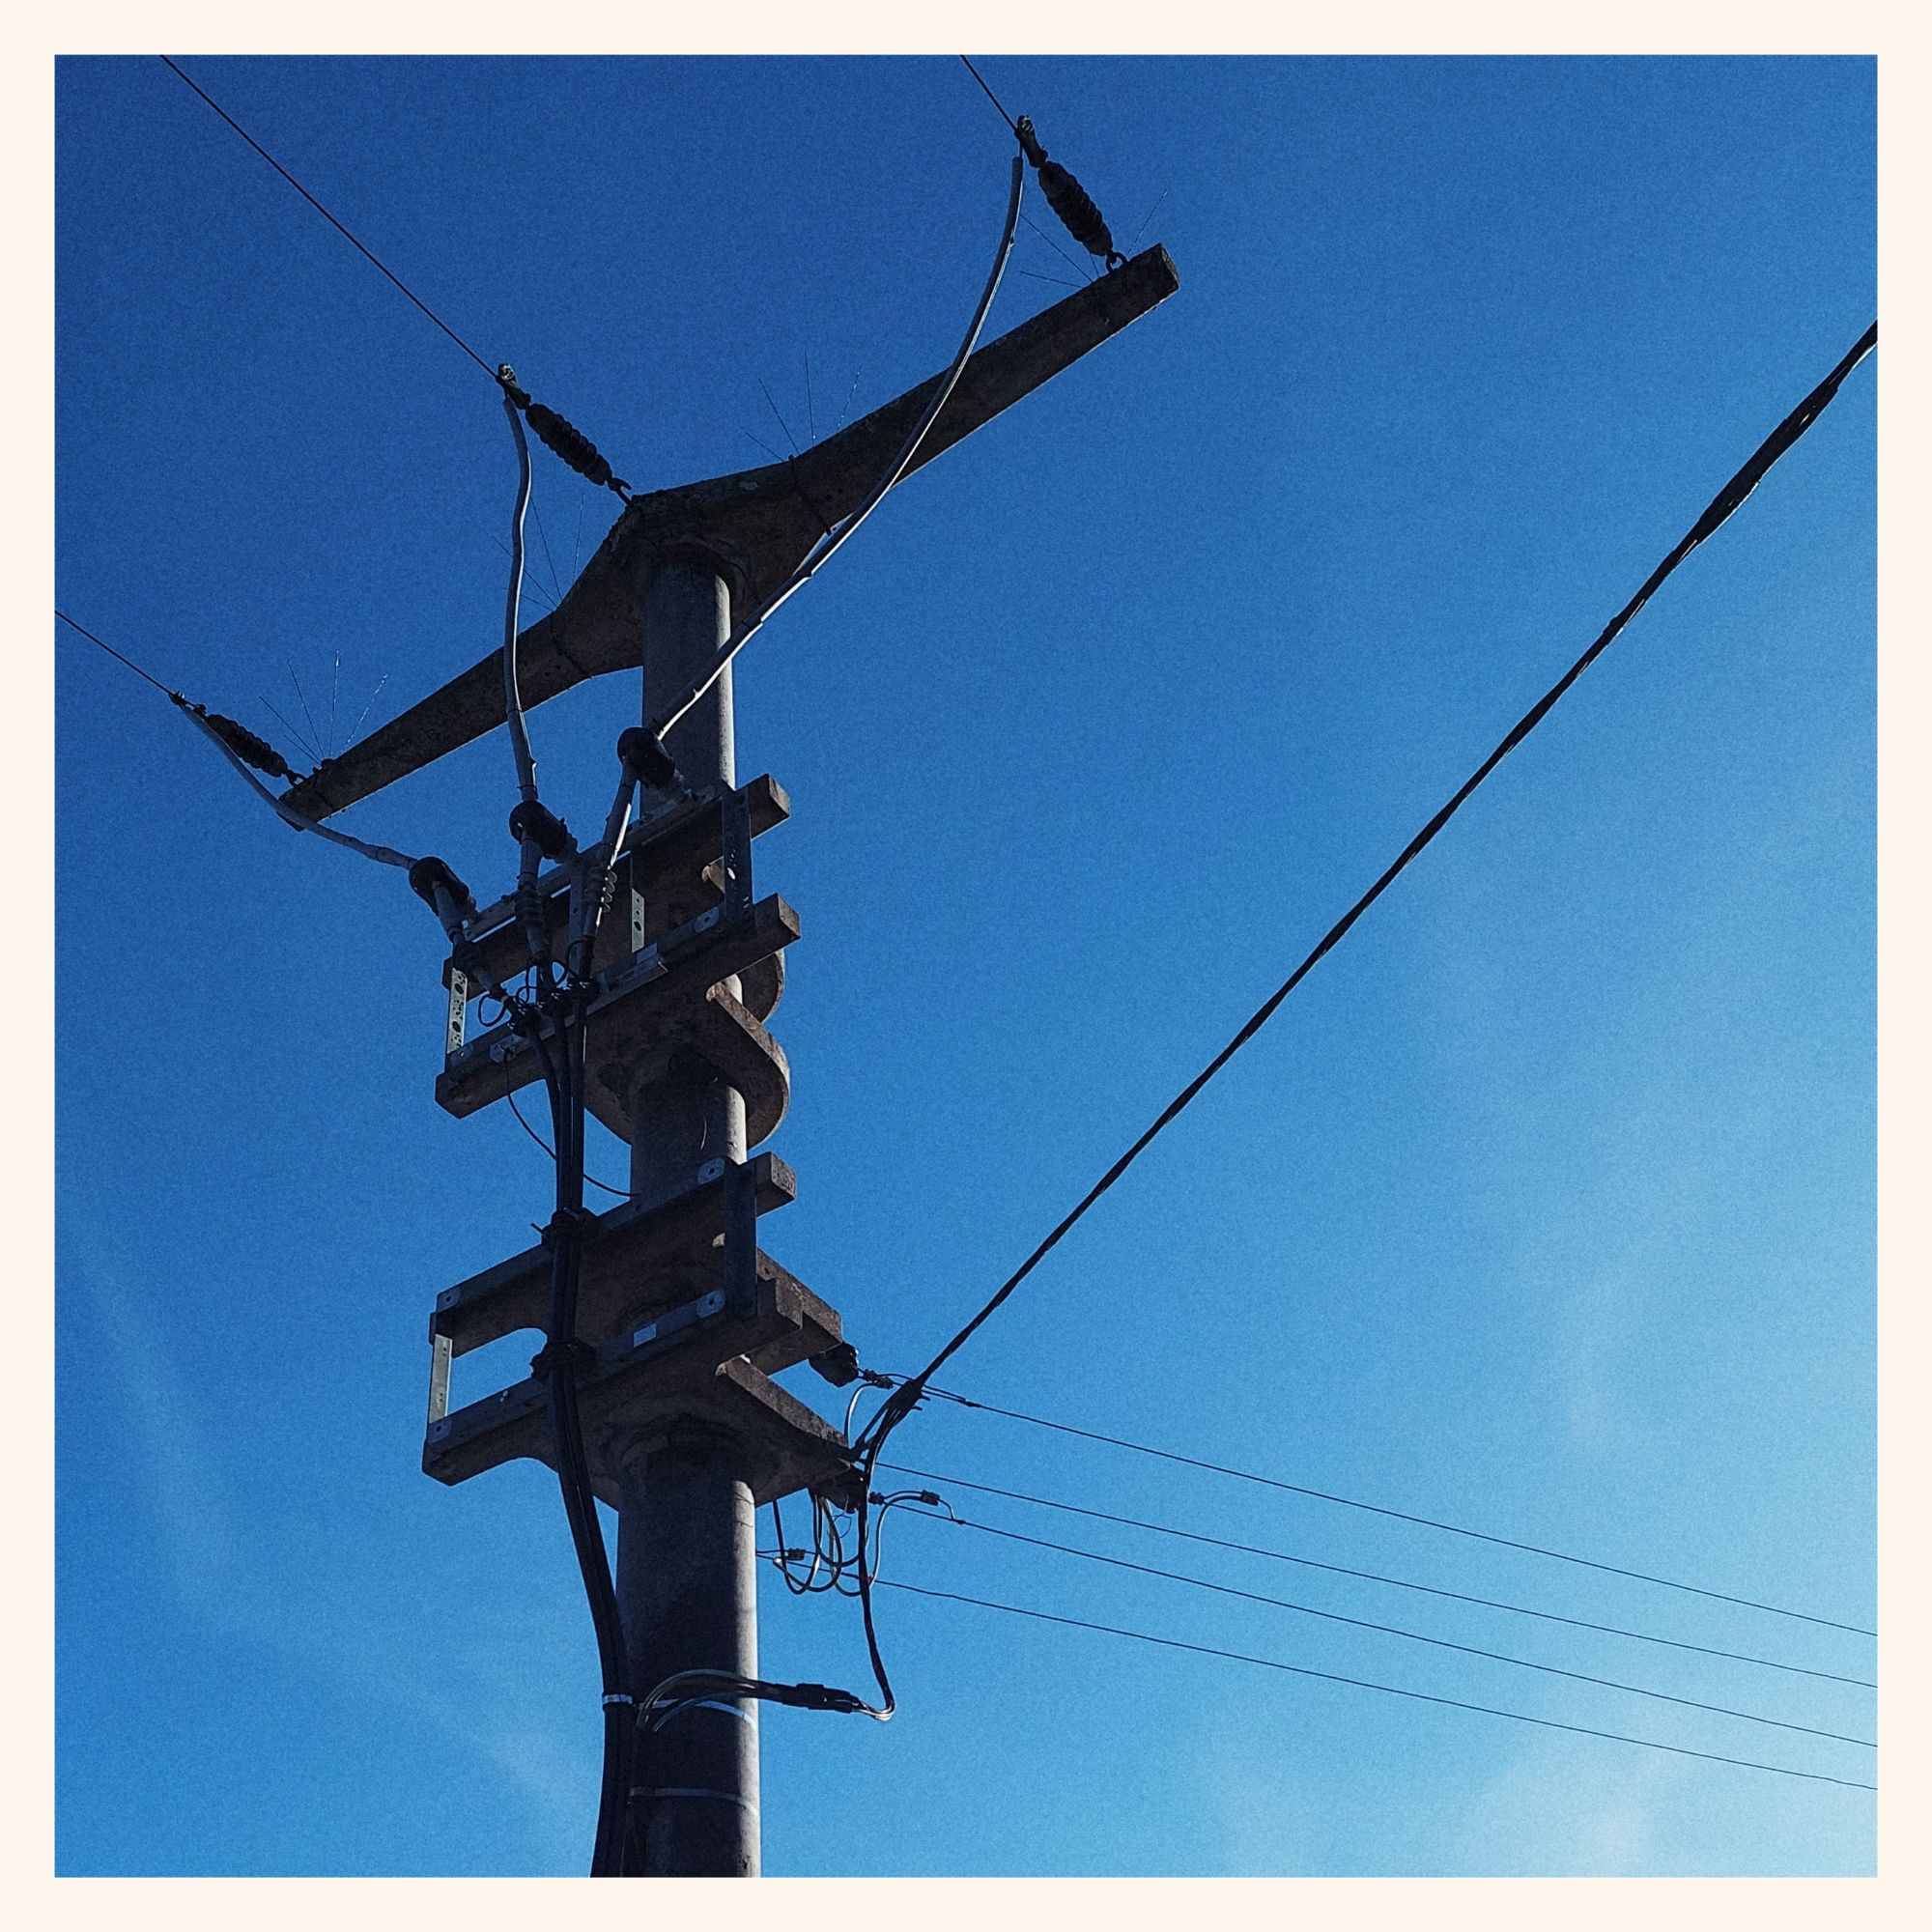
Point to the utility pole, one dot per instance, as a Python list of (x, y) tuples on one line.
[(687, 1575), (684, 1318)]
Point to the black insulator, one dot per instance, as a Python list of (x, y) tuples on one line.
[(530, 820), (1067, 199), (643, 752), (573, 445), (428, 873), (248, 747), (1076, 210)]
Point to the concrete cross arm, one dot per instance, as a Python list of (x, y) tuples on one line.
[(758, 524)]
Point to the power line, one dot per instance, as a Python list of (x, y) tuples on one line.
[(1377, 1509), (1373, 1577), (1716, 514), (1363, 1683), (991, 95), (113, 653), (1395, 1629), (344, 232)]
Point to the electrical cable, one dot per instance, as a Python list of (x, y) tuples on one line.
[(226, 736), (564, 438), (904, 1399), (828, 547), (990, 96), (1364, 1684), (589, 1179), (1383, 1630), (1373, 1577), (330, 219), (1716, 514), (1398, 1515), (563, 1080)]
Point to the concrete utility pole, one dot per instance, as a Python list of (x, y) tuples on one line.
[(685, 1432), (687, 1580)]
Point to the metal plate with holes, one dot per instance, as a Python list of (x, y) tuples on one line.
[(639, 1005)]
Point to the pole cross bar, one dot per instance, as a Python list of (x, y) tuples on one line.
[(760, 524)]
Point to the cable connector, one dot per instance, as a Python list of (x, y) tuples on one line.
[(530, 819), (1067, 199), (566, 1220), (642, 752), (439, 888), (840, 1365), (816, 1697)]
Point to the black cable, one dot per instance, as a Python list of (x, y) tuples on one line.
[(1363, 1683), (1398, 1515), (113, 653), (589, 1179), (1392, 1630), (990, 96), (1373, 1577), (487, 368), (563, 1080), (1716, 514)]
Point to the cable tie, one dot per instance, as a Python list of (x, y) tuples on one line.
[(617, 1697)]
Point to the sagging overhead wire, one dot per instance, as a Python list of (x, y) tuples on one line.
[(1389, 1629), (1376, 1509), (566, 440), (905, 1399), (1365, 1683), (830, 545), (1374, 1577)]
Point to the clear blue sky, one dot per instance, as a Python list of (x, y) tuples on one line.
[(1544, 1206)]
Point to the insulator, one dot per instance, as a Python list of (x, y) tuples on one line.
[(530, 820), (1076, 210), (573, 445), (644, 753), (1067, 199), (248, 747), (428, 873)]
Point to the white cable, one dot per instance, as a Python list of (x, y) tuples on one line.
[(287, 813), (907, 451)]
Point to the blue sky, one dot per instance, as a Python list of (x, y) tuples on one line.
[(1546, 1205)]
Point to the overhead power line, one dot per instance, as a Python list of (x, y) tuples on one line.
[(1373, 1577), (1391, 1630), (1396, 1514), (1364, 1684), (165, 689), (340, 228), (1716, 514)]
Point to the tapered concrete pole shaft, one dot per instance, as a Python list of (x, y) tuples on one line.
[(687, 1580)]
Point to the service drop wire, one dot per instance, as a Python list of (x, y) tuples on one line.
[(832, 543), (905, 1399)]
